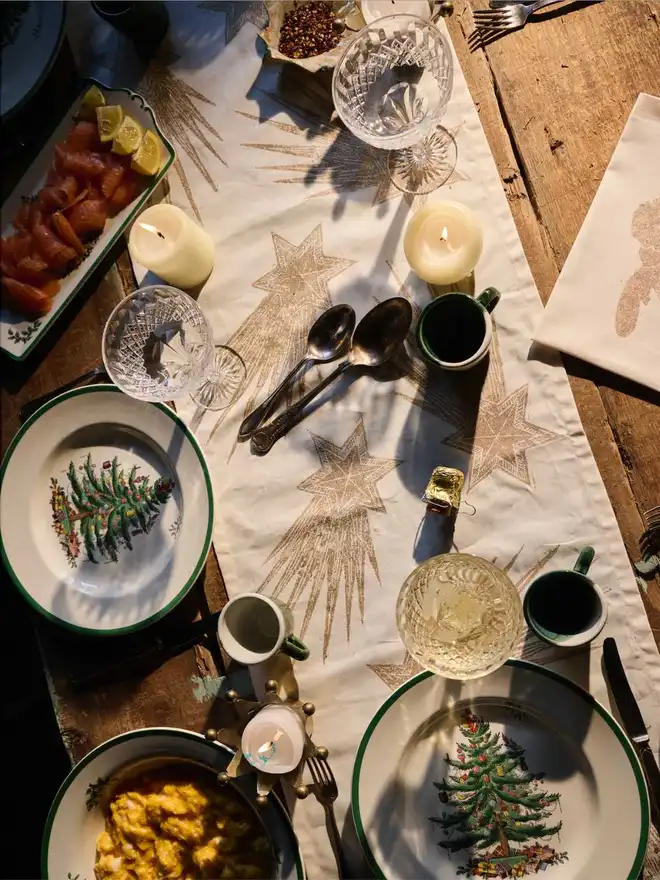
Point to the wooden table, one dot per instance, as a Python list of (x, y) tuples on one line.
[(553, 100)]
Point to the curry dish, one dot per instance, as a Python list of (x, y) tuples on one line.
[(175, 823)]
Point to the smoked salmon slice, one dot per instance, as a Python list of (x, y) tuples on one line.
[(84, 164), (52, 249), (53, 198), (88, 217), (65, 231), (83, 136), (127, 190), (113, 174), (26, 298)]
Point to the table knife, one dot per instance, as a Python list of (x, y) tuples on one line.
[(633, 722)]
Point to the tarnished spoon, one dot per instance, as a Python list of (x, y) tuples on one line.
[(375, 341), (330, 336)]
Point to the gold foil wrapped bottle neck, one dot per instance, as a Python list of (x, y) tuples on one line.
[(443, 492)]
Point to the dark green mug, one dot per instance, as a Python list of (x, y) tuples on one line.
[(455, 330), (566, 607)]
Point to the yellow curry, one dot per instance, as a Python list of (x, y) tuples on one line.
[(171, 825)]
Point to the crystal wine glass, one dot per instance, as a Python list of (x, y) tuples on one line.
[(158, 345), (459, 616), (390, 87)]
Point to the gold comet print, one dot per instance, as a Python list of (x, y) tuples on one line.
[(502, 435), (297, 290), (646, 280), (173, 102), (238, 14), (330, 543), (330, 155), (395, 674)]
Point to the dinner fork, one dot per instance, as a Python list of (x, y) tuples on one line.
[(649, 544), (507, 18), (326, 792)]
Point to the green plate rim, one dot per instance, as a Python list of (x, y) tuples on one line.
[(133, 627), (138, 734), (542, 670), (139, 203)]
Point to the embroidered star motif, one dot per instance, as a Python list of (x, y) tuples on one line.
[(394, 674)]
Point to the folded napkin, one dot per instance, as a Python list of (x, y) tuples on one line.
[(605, 307)]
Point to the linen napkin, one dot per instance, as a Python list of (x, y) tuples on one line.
[(605, 307)]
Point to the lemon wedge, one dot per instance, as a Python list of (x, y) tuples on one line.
[(147, 159), (128, 137), (92, 99), (109, 119)]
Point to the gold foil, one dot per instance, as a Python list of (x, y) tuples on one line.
[(443, 492)]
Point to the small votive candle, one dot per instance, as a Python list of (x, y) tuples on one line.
[(274, 740), (167, 242), (443, 242)]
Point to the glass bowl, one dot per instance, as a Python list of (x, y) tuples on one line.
[(459, 616)]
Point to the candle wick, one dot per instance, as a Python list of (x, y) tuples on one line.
[(152, 229)]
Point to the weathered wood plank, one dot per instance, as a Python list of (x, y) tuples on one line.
[(574, 78)]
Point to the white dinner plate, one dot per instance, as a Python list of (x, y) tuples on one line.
[(74, 822), (32, 34), (106, 510), (543, 780)]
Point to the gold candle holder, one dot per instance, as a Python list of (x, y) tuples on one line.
[(231, 736)]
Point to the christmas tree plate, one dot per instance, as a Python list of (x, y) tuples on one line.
[(514, 774), (106, 509)]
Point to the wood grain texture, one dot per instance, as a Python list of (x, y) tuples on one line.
[(553, 99)]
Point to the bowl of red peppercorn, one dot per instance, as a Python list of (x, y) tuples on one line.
[(310, 33)]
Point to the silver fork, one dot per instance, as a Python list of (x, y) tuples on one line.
[(326, 792), (509, 17)]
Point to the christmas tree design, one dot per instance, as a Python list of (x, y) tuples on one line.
[(498, 803), (105, 511)]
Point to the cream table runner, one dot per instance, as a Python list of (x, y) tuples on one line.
[(605, 307), (303, 216)]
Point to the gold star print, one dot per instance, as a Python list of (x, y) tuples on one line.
[(332, 156), (395, 674), (330, 543), (297, 291), (173, 102), (502, 435), (238, 14)]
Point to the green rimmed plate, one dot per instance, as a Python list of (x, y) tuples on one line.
[(509, 775), (74, 821), (18, 335), (107, 510)]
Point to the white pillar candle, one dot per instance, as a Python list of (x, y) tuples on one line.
[(167, 242), (274, 740), (443, 242)]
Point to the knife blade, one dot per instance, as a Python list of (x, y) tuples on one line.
[(633, 722)]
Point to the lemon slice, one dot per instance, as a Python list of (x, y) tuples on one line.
[(147, 158), (128, 138), (109, 119), (92, 99)]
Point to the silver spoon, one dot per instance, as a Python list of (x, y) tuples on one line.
[(329, 336), (375, 341)]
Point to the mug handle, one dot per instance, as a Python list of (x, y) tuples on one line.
[(294, 648), (489, 298), (584, 560)]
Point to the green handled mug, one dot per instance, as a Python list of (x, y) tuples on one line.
[(566, 607), (455, 330), (252, 628)]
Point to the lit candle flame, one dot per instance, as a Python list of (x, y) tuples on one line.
[(152, 229), (445, 234), (266, 747)]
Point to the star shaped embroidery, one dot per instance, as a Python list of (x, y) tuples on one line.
[(297, 291), (502, 435), (394, 674), (330, 543), (302, 271)]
